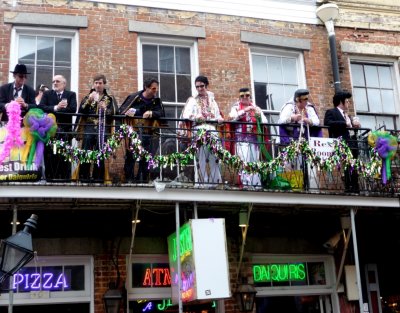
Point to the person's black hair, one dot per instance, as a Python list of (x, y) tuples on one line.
[(340, 97), (202, 79), (244, 89), (148, 82), (41, 88)]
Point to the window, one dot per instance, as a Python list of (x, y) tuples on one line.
[(276, 76), (46, 53), (172, 63), (374, 94)]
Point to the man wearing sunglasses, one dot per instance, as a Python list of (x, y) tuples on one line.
[(301, 112), (18, 91), (204, 112), (246, 144)]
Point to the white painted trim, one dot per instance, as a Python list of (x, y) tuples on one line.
[(170, 41), (73, 34), (146, 293), (190, 194), (81, 296), (299, 11)]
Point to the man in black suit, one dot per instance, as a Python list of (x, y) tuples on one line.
[(339, 121), (18, 91), (59, 100)]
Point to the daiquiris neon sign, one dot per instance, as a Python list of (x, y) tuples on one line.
[(279, 272), (40, 281)]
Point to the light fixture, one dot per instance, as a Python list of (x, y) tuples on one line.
[(16, 223), (16, 250), (112, 299), (333, 241), (245, 296), (327, 13), (243, 218), (136, 221)]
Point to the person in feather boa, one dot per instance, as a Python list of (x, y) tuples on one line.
[(246, 145)]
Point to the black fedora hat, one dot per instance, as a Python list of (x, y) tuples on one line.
[(20, 69)]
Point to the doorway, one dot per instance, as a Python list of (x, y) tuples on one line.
[(294, 304)]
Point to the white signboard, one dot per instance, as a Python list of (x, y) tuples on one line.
[(204, 261), (323, 147)]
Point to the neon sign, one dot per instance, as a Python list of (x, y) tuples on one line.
[(279, 272), (37, 281), (185, 243), (156, 277)]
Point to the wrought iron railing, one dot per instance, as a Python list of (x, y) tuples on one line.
[(183, 155)]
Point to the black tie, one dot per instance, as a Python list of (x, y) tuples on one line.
[(59, 97), (16, 92)]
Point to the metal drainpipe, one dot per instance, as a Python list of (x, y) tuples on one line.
[(334, 58), (357, 263)]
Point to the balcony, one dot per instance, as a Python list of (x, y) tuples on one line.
[(171, 153)]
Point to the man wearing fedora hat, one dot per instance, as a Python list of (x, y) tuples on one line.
[(19, 91)]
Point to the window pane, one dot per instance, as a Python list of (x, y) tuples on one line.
[(150, 58), (388, 121), (388, 101), (357, 75), (63, 52), (289, 93), (289, 70), (385, 77), (182, 60), (167, 87), (183, 85), (166, 59), (77, 274), (44, 75), (360, 99), (367, 121), (261, 95), (371, 76), (374, 100), (259, 68), (274, 70), (44, 57), (45, 51), (27, 49), (277, 95)]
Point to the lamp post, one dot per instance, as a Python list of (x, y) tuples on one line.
[(16, 250), (327, 13)]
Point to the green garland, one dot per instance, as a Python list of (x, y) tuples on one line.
[(342, 156)]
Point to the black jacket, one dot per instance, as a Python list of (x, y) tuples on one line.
[(7, 95), (50, 99), (337, 124), (134, 101)]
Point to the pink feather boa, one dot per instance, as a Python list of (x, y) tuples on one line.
[(13, 130)]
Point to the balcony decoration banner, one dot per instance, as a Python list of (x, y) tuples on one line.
[(19, 145), (342, 156), (40, 127), (385, 145)]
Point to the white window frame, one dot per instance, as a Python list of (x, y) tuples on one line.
[(55, 297), (73, 34), (151, 293), (394, 67), (328, 289), (169, 41), (269, 51)]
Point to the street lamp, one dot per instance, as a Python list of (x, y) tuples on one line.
[(16, 250), (327, 13), (245, 296), (112, 299)]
